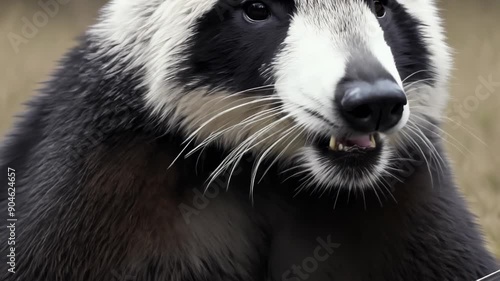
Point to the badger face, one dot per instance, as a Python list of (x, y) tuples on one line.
[(334, 89)]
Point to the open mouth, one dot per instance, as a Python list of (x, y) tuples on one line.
[(355, 151), (346, 161), (359, 143)]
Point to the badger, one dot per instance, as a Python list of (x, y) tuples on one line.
[(243, 140)]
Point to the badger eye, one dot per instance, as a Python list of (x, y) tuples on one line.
[(256, 11), (379, 9)]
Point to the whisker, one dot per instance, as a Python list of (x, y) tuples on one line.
[(467, 130), (418, 81), (444, 132), (336, 198), (261, 115), (428, 143), (282, 152), (236, 155), (263, 155), (414, 73), (408, 137)]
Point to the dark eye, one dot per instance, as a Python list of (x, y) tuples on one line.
[(256, 11), (379, 9)]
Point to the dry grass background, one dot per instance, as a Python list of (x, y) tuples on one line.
[(474, 32)]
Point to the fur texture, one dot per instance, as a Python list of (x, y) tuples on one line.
[(181, 141)]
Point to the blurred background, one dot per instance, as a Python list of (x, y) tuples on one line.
[(32, 40)]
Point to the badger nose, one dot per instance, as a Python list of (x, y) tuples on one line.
[(372, 106)]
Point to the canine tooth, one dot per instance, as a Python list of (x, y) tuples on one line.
[(333, 142), (341, 146), (372, 141)]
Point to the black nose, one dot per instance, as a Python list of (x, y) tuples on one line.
[(372, 106)]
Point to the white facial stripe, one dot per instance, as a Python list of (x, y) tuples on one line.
[(151, 35), (426, 12), (434, 99), (382, 52), (308, 70), (154, 41), (322, 37)]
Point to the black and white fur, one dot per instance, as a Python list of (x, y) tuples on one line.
[(163, 97)]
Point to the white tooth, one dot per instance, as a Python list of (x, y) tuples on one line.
[(332, 143), (341, 146), (372, 141)]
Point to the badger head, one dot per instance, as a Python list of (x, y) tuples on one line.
[(333, 89)]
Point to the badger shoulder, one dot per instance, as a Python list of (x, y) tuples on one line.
[(96, 180)]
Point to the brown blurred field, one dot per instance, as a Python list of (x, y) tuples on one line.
[(474, 33)]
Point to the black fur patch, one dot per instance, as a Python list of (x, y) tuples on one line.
[(96, 194), (229, 51), (403, 35)]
